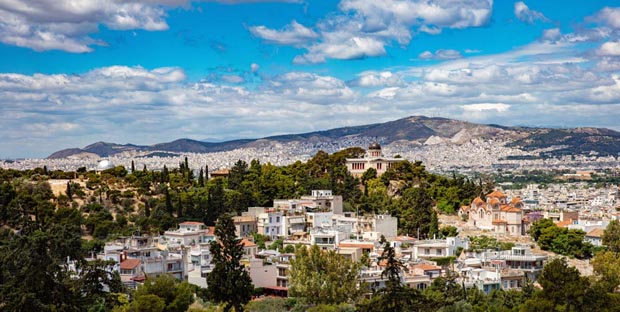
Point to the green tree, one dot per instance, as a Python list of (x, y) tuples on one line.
[(229, 282), (237, 174), (537, 228), (176, 296), (606, 266), (323, 277), (201, 178), (395, 296), (563, 285), (611, 237)]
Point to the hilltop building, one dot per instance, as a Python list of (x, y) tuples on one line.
[(374, 158), (496, 214)]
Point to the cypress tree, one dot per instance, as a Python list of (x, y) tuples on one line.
[(169, 207), (69, 191), (201, 178), (229, 282)]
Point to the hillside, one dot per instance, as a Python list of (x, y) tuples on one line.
[(415, 129)]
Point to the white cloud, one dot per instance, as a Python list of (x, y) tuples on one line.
[(352, 48), (611, 48), (254, 67), (364, 28), (253, 1), (377, 79), (552, 34), (524, 14), (441, 55), (609, 17), (64, 25), (439, 13), (480, 107), (542, 83), (292, 34)]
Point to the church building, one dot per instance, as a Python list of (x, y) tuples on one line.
[(496, 214)]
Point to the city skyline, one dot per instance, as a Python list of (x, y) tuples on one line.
[(145, 72)]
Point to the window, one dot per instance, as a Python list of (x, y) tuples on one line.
[(126, 272), (277, 219), (281, 272), (427, 251), (438, 252)]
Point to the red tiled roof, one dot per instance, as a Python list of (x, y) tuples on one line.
[(247, 243), (426, 267), (130, 264), (564, 223), (497, 194), (508, 208), (191, 223), (220, 172), (498, 221), (358, 245), (477, 201), (596, 233)]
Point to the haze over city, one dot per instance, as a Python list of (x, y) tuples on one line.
[(146, 72)]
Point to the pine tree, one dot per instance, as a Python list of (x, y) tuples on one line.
[(229, 282)]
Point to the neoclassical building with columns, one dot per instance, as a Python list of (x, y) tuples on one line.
[(374, 158)]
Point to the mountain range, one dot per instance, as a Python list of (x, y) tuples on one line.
[(415, 129)]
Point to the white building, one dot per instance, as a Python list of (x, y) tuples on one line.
[(271, 223), (438, 248), (374, 158)]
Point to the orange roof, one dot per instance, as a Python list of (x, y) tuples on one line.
[(494, 201), (405, 238), (596, 233), (247, 243), (130, 264), (498, 221), (515, 200), (358, 245), (565, 223), (210, 230), (221, 172), (426, 267), (191, 223), (477, 201), (497, 194), (508, 208)]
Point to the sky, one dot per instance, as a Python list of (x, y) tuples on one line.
[(74, 72)]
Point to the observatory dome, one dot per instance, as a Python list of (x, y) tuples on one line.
[(104, 165)]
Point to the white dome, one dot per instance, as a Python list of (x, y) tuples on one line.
[(104, 165)]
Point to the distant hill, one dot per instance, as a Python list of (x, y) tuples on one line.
[(415, 129)]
